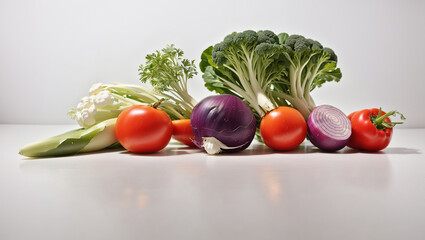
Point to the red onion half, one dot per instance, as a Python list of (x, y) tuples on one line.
[(328, 128), (222, 123)]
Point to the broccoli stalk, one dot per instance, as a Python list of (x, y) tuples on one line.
[(168, 73)]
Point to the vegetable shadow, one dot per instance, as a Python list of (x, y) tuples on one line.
[(253, 150), (389, 150), (106, 150), (262, 149), (168, 151)]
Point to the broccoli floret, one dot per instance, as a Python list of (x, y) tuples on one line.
[(229, 38), (218, 55), (267, 49), (291, 40), (247, 38), (315, 45), (301, 44), (332, 55), (267, 36)]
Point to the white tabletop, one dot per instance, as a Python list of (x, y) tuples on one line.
[(182, 193)]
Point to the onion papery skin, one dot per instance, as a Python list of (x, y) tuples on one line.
[(329, 128), (225, 117)]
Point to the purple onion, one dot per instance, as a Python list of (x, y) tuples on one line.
[(328, 128), (225, 118)]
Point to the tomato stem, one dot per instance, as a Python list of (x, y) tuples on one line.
[(378, 120)]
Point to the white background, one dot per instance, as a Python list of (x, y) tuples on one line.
[(51, 51)]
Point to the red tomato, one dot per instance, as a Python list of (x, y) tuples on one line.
[(283, 129), (368, 134), (182, 132), (143, 129)]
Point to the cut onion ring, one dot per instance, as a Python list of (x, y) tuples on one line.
[(329, 128)]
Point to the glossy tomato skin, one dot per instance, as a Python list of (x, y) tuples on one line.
[(143, 129), (283, 129), (182, 132), (364, 135)]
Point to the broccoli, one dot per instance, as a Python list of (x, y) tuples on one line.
[(244, 64), (309, 65), (269, 70)]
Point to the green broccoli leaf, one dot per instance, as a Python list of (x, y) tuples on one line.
[(329, 73), (206, 59), (213, 83)]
